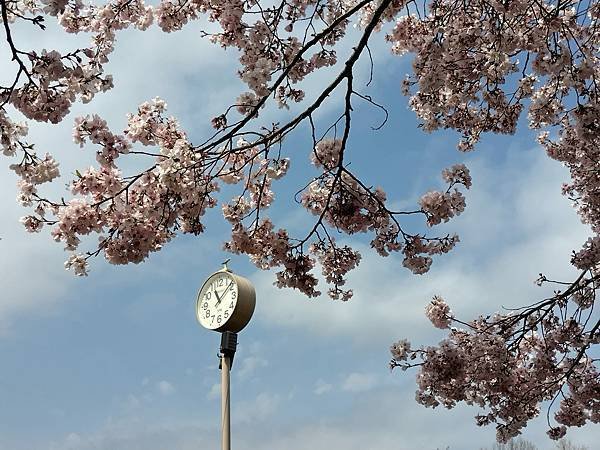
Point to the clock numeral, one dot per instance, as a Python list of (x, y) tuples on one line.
[(233, 294), (226, 314), (231, 306), (207, 296), (207, 314), (219, 319), (212, 319), (220, 282), (205, 305)]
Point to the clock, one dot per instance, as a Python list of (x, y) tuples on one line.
[(225, 302)]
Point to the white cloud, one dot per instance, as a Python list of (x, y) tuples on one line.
[(359, 382), (214, 392), (33, 279), (262, 407), (386, 419), (250, 364), (133, 436), (73, 441), (165, 388), (321, 387), (132, 402)]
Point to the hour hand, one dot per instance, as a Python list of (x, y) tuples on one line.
[(218, 298)]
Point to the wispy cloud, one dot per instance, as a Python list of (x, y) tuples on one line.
[(250, 364), (263, 406), (321, 387), (165, 388), (359, 382), (214, 392)]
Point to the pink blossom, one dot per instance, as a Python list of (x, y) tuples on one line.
[(327, 153), (32, 224), (78, 263), (441, 207), (400, 350), (457, 174), (439, 313)]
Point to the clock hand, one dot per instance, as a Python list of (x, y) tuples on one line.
[(223, 294), (218, 298), (225, 291)]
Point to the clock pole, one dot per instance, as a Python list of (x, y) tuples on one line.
[(228, 346), (225, 304)]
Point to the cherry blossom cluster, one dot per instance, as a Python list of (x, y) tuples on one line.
[(438, 312), (477, 67), (47, 83), (266, 37), (144, 211), (267, 248), (577, 148), (442, 206), (507, 364), (462, 62), (348, 206), (326, 154), (418, 251), (11, 134), (246, 164), (45, 86), (94, 129), (474, 76), (336, 262), (341, 200), (457, 174), (132, 215)]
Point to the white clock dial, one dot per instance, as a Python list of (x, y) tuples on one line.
[(217, 300)]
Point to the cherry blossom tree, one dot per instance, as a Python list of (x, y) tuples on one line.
[(565, 444), (514, 444), (478, 66), (522, 444)]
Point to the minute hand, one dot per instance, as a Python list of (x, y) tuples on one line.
[(224, 292)]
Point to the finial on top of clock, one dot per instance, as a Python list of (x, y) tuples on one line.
[(225, 268)]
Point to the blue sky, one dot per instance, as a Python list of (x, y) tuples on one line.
[(117, 361)]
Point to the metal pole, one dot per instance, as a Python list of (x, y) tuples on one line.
[(228, 346), (226, 434)]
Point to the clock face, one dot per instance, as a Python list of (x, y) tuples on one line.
[(217, 300)]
